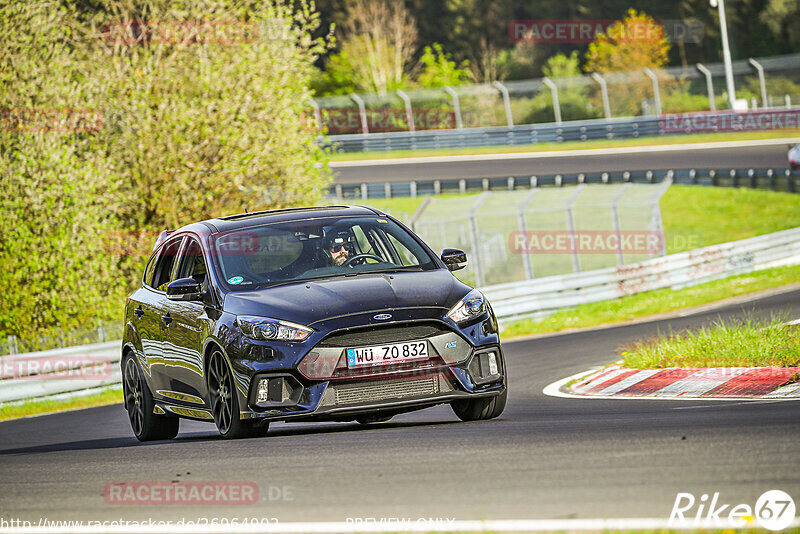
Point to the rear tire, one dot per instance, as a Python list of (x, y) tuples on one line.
[(480, 409), (225, 402), (146, 425)]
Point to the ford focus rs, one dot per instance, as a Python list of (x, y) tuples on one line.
[(312, 314)]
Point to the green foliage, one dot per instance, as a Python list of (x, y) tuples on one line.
[(573, 99), (438, 70), (337, 78), (190, 130), (561, 66)]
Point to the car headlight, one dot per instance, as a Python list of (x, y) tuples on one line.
[(268, 329), (471, 306)]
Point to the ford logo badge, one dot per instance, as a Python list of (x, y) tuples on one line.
[(383, 316)]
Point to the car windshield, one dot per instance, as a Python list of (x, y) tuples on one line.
[(295, 251)]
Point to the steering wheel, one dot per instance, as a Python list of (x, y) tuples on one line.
[(362, 258)]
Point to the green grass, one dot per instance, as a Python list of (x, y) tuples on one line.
[(653, 302), (13, 411), (700, 216), (745, 343), (571, 145)]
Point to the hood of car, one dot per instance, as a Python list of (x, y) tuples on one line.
[(316, 300)]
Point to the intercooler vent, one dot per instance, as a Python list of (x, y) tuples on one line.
[(385, 389)]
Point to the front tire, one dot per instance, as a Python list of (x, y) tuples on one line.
[(369, 419), (146, 425), (480, 409), (225, 402)]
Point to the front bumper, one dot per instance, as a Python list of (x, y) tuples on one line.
[(396, 392)]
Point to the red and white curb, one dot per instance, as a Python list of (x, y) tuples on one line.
[(718, 383)]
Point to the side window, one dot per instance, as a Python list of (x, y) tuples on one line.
[(406, 256), (151, 267), (363, 244), (164, 264), (192, 263)]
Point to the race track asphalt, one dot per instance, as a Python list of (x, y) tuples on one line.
[(545, 457), (758, 156)]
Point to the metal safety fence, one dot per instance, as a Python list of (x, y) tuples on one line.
[(612, 105), (773, 179), (541, 297), (521, 235)]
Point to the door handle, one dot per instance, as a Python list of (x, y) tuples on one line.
[(139, 312), (167, 318)]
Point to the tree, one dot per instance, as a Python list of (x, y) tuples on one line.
[(636, 42), (438, 70), (632, 44), (203, 110), (383, 38)]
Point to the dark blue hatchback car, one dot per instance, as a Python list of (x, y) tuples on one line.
[(332, 313)]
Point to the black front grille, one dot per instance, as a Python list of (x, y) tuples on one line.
[(382, 334), (385, 390)]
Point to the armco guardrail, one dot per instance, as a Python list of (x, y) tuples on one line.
[(41, 374), (774, 179), (526, 134), (74, 369), (542, 296)]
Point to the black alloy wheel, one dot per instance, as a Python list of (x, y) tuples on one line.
[(145, 423), (225, 403)]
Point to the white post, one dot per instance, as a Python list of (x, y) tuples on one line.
[(760, 69), (726, 51), (456, 105), (615, 221), (604, 91), (475, 238), (576, 262), (709, 84), (506, 102), (656, 92), (409, 111), (362, 110), (523, 227), (554, 90)]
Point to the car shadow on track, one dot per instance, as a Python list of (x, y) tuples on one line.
[(211, 436)]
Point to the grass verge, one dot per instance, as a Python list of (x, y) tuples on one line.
[(739, 343), (40, 407), (654, 302), (571, 145)]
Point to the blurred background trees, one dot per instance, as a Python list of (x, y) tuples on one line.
[(190, 129)]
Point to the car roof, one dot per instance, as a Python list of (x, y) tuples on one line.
[(246, 220)]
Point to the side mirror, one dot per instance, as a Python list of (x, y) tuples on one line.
[(454, 259), (184, 289)]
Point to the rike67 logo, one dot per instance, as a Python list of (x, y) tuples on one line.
[(773, 510)]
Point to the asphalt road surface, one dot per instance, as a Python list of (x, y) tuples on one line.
[(758, 156), (545, 457)]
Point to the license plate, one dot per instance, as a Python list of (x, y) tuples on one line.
[(387, 354)]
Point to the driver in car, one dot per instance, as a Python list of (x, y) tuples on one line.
[(339, 249)]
